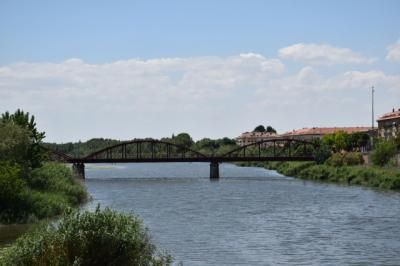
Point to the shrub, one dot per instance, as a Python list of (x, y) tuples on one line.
[(55, 177), (348, 158), (13, 193), (49, 191), (353, 158), (384, 151), (322, 153), (336, 159), (104, 237)]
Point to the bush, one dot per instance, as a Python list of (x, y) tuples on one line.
[(54, 177), (383, 152), (348, 158), (49, 191), (322, 153), (13, 193), (336, 159), (353, 158), (100, 238)]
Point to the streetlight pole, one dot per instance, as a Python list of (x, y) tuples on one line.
[(372, 91), (372, 117)]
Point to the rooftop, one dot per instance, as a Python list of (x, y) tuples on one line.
[(392, 115), (326, 130)]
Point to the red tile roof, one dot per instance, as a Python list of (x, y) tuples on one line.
[(392, 115), (326, 130)]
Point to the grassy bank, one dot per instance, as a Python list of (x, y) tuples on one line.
[(44, 192), (103, 237), (379, 177)]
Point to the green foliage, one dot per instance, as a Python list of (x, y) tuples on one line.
[(50, 191), (13, 193), (82, 149), (383, 152), (343, 159), (270, 129), (104, 237), (342, 141), (259, 128), (14, 143), (322, 153), (183, 139), (353, 175), (216, 147), (27, 122)]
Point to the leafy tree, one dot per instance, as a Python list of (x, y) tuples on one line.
[(11, 184), (15, 143), (322, 153), (183, 139), (383, 152), (270, 130), (259, 128), (26, 121)]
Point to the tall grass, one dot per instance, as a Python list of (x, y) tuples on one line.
[(47, 192), (103, 237), (353, 175)]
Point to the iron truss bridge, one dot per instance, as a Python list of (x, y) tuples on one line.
[(156, 151)]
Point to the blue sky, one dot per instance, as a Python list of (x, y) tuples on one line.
[(63, 57)]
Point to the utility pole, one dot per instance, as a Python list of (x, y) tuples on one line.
[(372, 117), (372, 91)]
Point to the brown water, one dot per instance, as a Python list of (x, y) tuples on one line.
[(8, 233)]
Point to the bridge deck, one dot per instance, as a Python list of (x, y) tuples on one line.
[(193, 159)]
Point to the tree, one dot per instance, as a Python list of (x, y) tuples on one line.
[(383, 152), (271, 130), (259, 128), (15, 143), (183, 139), (27, 122)]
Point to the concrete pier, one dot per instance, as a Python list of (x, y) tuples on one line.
[(214, 170), (79, 170)]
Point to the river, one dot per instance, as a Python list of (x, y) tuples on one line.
[(251, 216)]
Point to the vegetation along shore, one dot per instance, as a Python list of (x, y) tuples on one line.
[(33, 189), (338, 161)]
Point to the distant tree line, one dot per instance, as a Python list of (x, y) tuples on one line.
[(206, 145)]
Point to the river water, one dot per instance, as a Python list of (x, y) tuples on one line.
[(251, 216)]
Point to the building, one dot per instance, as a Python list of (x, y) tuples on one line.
[(252, 137), (319, 132), (389, 124)]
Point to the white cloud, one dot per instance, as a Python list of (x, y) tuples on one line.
[(322, 54), (206, 96), (393, 52)]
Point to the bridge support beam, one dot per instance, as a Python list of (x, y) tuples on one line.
[(214, 170), (79, 170)]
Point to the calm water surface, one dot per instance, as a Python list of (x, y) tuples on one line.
[(251, 216)]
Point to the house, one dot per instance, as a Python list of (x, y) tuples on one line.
[(389, 124), (252, 137)]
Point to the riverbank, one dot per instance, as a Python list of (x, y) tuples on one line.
[(378, 177), (44, 192)]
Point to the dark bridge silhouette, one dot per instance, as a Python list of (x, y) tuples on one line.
[(156, 151)]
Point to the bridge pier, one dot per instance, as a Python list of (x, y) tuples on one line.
[(214, 170), (79, 170)]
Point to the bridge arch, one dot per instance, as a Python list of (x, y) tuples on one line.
[(145, 150), (275, 148)]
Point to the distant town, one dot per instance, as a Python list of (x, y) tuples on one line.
[(388, 127)]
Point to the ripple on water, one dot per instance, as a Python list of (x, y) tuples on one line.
[(252, 216)]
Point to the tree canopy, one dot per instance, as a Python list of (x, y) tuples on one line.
[(261, 128), (27, 123)]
